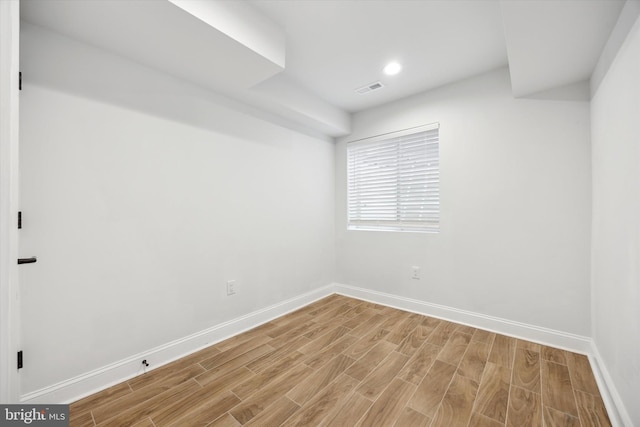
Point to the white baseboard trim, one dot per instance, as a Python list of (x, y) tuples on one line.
[(579, 344), (618, 414), (91, 382), (564, 340)]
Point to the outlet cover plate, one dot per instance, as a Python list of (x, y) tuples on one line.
[(231, 287)]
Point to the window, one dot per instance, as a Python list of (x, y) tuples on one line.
[(393, 181)]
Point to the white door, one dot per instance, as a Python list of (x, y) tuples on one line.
[(9, 124)]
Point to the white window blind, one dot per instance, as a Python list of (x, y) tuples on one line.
[(393, 181)]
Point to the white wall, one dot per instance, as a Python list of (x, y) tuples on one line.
[(615, 114), (515, 207), (141, 196)]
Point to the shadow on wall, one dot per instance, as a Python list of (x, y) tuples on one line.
[(56, 61)]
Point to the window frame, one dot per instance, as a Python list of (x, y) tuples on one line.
[(402, 209)]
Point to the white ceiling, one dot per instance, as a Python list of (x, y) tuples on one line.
[(336, 46), (333, 47), (555, 43)]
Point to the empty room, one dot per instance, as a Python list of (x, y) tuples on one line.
[(320, 213)]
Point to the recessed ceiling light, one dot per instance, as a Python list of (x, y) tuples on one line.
[(392, 68)]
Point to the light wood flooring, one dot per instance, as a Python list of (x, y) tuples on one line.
[(345, 362)]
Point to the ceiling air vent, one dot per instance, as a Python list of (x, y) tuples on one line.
[(370, 87)]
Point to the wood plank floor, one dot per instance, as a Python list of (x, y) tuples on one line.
[(345, 362)]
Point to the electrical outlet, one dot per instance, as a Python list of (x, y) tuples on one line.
[(416, 272), (231, 287)]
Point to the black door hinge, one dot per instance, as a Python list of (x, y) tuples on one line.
[(19, 220), (19, 80), (20, 359)]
